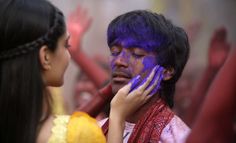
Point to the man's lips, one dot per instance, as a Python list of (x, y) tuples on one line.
[(120, 77)]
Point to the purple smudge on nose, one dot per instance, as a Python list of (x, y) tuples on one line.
[(125, 58)]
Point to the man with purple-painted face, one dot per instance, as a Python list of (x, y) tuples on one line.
[(138, 41), (128, 61)]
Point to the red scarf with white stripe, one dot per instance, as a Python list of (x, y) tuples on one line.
[(149, 128)]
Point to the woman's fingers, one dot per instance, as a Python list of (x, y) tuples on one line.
[(130, 86), (135, 81), (147, 80), (158, 86), (155, 85), (133, 95), (150, 85)]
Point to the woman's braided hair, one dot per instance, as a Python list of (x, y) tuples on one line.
[(49, 39), (25, 26)]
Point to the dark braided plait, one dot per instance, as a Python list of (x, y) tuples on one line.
[(20, 50), (50, 39), (56, 30)]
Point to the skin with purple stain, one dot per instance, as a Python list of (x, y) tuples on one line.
[(148, 65), (128, 62), (135, 83), (156, 81)]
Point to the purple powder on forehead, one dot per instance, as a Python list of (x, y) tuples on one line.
[(129, 42)]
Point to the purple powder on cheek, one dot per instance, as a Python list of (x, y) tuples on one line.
[(148, 62)]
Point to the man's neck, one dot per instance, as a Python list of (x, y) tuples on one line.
[(133, 118)]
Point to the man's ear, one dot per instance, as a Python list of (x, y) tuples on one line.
[(168, 73), (44, 57)]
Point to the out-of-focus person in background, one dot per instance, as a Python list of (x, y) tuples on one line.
[(216, 120), (94, 71), (86, 90), (217, 54)]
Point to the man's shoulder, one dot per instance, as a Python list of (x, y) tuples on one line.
[(175, 130), (102, 122), (178, 123)]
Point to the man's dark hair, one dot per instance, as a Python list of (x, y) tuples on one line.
[(153, 32)]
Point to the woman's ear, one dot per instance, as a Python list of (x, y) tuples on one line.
[(168, 73), (44, 57)]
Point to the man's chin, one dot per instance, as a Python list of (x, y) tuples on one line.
[(117, 86)]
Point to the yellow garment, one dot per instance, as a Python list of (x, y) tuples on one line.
[(78, 128), (59, 129)]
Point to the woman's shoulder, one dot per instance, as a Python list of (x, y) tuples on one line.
[(45, 130)]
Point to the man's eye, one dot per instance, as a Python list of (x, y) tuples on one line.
[(138, 52), (137, 55), (115, 53)]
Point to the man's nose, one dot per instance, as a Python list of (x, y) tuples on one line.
[(122, 59)]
